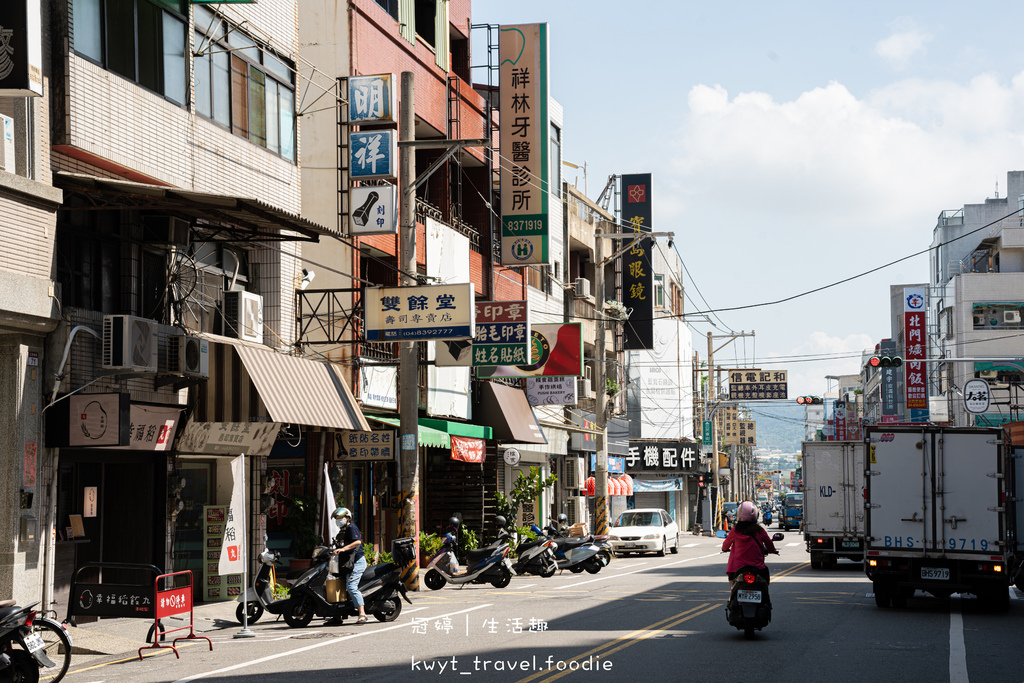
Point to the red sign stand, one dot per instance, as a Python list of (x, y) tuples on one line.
[(173, 599)]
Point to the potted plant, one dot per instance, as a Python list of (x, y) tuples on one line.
[(430, 545), (300, 522)]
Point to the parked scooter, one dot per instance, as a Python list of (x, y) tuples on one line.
[(22, 651), (749, 606), (260, 596), (380, 585), (575, 554), (604, 553), (489, 564), (536, 556)]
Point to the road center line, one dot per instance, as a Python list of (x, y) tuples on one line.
[(325, 643), (957, 649), (614, 576)]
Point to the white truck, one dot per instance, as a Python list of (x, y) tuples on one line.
[(833, 473), (936, 516)]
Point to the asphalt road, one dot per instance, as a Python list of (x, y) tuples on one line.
[(640, 619)]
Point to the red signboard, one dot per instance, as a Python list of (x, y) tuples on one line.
[(174, 601), (916, 372), (467, 449)]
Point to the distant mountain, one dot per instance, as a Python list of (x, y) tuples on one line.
[(779, 425)]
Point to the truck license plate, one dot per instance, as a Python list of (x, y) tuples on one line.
[(850, 544), (938, 573), (34, 642), (748, 596)]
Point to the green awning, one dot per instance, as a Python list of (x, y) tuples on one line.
[(436, 433), (1004, 366)]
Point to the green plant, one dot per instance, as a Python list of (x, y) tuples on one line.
[(375, 557), (280, 591), (611, 386), (300, 523), (526, 488), (430, 544), (467, 540)]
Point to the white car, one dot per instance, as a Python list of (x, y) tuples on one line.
[(644, 531)]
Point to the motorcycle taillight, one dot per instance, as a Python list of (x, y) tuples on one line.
[(31, 618), (749, 578)]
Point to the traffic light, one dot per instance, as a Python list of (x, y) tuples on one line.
[(700, 481), (885, 361), (808, 400)]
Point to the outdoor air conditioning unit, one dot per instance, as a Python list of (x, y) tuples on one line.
[(189, 356), (979, 320), (129, 343), (1011, 317), (7, 158), (572, 472), (243, 316), (576, 509), (988, 374), (581, 288)]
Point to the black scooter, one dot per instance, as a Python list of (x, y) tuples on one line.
[(750, 607), (22, 651), (380, 585), (260, 596)]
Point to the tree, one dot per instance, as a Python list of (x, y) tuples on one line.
[(526, 488)]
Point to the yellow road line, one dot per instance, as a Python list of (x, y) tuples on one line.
[(649, 630), (134, 657)]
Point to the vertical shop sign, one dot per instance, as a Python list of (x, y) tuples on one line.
[(637, 277), (231, 557), (916, 373), (523, 79), (29, 470), (371, 99)]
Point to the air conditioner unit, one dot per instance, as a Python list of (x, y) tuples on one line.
[(243, 316), (576, 509), (7, 157), (189, 356), (1011, 317), (581, 288), (572, 472), (979, 320), (129, 343), (988, 374), (165, 230)]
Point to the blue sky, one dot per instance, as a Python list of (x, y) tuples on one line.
[(793, 144)]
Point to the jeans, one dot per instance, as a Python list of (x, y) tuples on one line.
[(353, 582)]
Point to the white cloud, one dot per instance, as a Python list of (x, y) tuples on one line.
[(901, 46), (807, 378)]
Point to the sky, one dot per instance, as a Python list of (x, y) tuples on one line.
[(792, 145)]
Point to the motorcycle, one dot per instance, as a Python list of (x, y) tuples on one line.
[(576, 554), (489, 564), (380, 585), (22, 650), (536, 556), (260, 596), (749, 607)]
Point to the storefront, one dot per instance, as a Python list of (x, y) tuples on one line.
[(664, 476)]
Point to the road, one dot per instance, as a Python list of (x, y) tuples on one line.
[(641, 619)]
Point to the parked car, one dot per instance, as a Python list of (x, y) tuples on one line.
[(644, 531)]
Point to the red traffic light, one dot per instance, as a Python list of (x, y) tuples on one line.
[(885, 361), (875, 361)]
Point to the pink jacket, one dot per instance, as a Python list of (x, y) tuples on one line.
[(745, 550)]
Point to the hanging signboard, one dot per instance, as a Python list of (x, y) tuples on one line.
[(373, 155), (977, 396), (99, 420), (229, 438), (556, 350), (467, 449), (523, 79), (429, 312), (757, 385), (740, 433), (660, 456), (378, 386), (551, 391), (373, 210), (916, 370), (21, 49), (372, 99), (637, 276), (378, 444), (502, 337)]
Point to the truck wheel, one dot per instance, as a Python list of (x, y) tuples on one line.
[(815, 564), (995, 600), (883, 597), (900, 596)]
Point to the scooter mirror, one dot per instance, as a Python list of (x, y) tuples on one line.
[(721, 533)]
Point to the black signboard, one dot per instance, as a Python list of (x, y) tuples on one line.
[(637, 277), (21, 54), (584, 441), (112, 600), (663, 456)]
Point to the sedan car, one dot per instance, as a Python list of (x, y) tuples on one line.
[(644, 531)]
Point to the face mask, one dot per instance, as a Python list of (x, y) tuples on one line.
[(343, 522)]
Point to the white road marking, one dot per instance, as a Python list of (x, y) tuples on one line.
[(957, 649), (1013, 593), (523, 586), (615, 576), (314, 646), (790, 545), (690, 545)]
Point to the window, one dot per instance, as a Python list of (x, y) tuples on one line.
[(390, 6), (555, 162), (142, 40), (242, 86), (659, 290)]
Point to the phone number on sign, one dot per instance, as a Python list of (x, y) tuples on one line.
[(517, 226)]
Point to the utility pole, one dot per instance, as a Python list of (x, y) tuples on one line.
[(408, 359), (601, 470)]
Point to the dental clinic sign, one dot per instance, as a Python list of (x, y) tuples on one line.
[(523, 78), (427, 313)]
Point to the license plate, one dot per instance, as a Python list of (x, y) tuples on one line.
[(748, 596), (34, 642), (851, 544), (508, 565), (938, 573), (631, 545)]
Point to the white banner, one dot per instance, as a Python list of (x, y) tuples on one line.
[(330, 505), (232, 556)]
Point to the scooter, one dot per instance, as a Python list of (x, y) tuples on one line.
[(380, 585), (260, 596), (536, 556), (575, 554), (749, 607), (22, 652), (489, 564), (604, 554)]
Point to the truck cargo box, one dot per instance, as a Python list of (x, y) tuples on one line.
[(833, 473)]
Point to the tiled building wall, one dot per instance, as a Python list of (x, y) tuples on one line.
[(26, 233)]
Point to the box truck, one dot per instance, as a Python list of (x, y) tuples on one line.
[(935, 514), (833, 473)]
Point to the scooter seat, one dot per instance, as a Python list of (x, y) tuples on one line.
[(7, 603), (526, 545), (474, 556), (569, 543), (376, 571)]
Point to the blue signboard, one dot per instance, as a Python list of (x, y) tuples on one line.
[(373, 155), (371, 99), (616, 464)]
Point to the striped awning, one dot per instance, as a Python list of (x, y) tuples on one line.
[(302, 391)]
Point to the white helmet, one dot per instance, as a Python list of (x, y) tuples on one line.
[(342, 516)]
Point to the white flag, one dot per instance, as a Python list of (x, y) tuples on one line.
[(232, 555), (330, 506)]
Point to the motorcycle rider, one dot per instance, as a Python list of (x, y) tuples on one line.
[(747, 543), (351, 541)]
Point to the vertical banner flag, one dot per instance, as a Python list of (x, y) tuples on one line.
[(637, 278), (331, 527), (916, 377), (232, 560), (523, 79)]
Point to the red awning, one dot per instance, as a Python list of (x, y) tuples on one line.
[(614, 489), (628, 481), (590, 486)]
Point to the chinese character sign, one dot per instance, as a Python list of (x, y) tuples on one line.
[(371, 99), (523, 78), (502, 337), (753, 385), (659, 456), (740, 433), (373, 155), (916, 350), (372, 210), (424, 313), (21, 49), (556, 350), (373, 445), (637, 276), (232, 550)]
